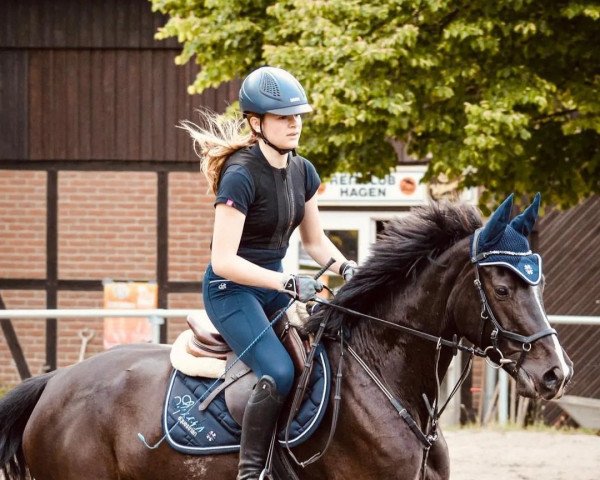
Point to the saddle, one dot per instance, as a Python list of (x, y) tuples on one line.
[(211, 349)]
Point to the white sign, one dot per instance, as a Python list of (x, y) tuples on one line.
[(399, 187)]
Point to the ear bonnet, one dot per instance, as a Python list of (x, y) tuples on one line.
[(504, 243)]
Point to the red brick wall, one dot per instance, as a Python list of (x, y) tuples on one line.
[(29, 331), (106, 229), (22, 255), (107, 225), (22, 224), (190, 227)]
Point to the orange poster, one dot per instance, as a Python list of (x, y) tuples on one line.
[(128, 295)]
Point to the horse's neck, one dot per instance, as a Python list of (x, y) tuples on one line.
[(403, 362)]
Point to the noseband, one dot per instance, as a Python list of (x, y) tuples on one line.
[(498, 332)]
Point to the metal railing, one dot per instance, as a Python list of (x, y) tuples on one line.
[(97, 312), (157, 316), (183, 312)]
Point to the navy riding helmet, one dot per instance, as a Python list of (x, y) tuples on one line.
[(272, 90)]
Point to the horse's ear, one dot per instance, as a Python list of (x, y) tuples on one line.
[(497, 223), (524, 223)]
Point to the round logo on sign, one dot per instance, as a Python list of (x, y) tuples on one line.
[(408, 185)]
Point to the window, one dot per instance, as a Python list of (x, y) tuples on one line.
[(345, 240)]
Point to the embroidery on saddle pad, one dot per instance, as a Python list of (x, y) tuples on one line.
[(212, 431)]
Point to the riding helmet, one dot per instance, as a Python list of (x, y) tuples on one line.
[(272, 90)]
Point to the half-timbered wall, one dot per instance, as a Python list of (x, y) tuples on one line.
[(96, 181)]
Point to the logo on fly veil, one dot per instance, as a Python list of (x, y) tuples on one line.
[(528, 269)]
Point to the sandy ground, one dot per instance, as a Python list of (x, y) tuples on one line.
[(522, 455)]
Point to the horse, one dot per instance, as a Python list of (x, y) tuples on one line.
[(424, 280)]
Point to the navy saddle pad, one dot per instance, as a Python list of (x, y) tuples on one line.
[(213, 431)]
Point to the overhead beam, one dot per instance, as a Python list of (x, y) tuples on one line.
[(74, 285), (102, 165)]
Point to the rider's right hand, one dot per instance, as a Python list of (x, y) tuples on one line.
[(302, 287)]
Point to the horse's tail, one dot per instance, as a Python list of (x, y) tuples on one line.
[(15, 409)]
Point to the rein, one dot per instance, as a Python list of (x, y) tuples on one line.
[(454, 344), (429, 438), (434, 412)]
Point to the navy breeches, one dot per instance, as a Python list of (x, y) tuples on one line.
[(240, 313)]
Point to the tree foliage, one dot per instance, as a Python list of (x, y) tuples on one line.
[(501, 94)]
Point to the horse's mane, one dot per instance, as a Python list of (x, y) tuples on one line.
[(402, 251)]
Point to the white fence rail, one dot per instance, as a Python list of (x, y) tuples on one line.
[(156, 318), (182, 312), (97, 312), (573, 320)]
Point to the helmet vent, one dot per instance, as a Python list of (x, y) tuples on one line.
[(269, 86)]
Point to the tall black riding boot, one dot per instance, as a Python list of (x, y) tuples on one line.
[(258, 424)]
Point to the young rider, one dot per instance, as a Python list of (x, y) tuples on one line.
[(263, 192)]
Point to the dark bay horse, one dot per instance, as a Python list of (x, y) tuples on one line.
[(81, 422)]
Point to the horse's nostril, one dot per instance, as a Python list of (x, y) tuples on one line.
[(551, 378)]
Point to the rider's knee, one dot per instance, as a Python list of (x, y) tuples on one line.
[(282, 371)]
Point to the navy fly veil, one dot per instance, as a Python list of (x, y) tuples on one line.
[(505, 243)]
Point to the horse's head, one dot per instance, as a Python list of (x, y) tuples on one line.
[(514, 330)]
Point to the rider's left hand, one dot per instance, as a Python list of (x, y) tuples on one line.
[(348, 269)]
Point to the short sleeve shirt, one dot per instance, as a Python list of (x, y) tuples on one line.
[(272, 199)]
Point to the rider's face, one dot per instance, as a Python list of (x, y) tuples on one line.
[(282, 130)]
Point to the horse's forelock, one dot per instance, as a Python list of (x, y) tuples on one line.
[(403, 249)]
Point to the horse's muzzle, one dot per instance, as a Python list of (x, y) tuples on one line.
[(555, 382)]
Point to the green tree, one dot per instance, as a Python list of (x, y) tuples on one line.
[(500, 93)]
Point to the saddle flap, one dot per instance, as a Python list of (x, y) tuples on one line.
[(238, 390), (295, 346), (240, 380)]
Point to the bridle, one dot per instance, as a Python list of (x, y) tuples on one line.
[(498, 332), (430, 436)]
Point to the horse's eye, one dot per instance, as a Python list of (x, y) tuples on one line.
[(501, 291)]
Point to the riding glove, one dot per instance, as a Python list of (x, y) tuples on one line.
[(302, 287), (348, 269)]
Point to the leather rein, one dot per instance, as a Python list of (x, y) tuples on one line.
[(430, 436), (434, 412)]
